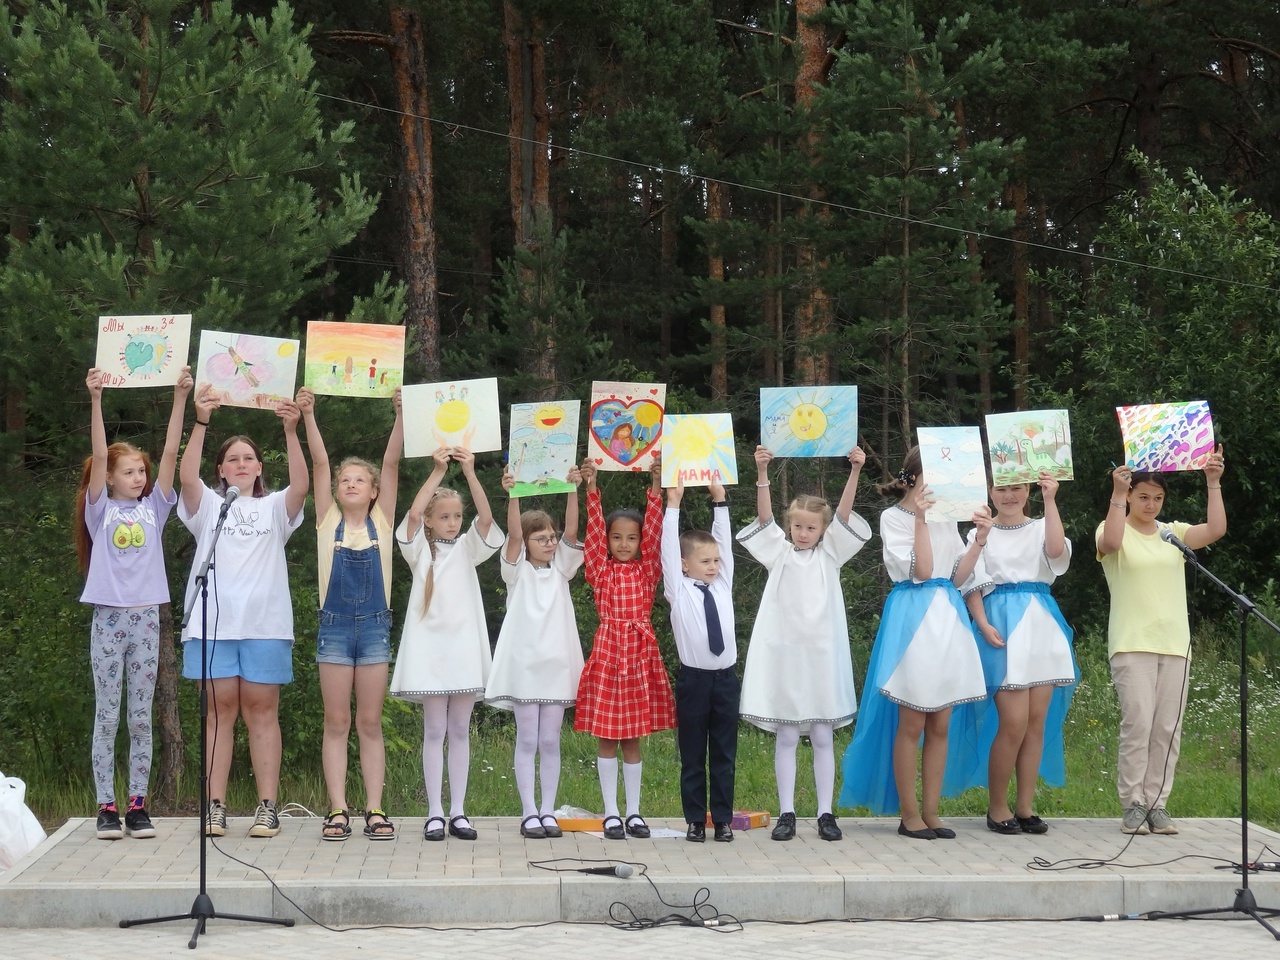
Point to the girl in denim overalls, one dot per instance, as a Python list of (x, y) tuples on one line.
[(353, 648)]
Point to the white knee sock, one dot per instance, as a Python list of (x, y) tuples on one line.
[(460, 706), (824, 765), (550, 720), (784, 766), (435, 713), (526, 747), (631, 783), (607, 769)]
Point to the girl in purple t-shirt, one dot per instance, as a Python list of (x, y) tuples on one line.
[(120, 510)]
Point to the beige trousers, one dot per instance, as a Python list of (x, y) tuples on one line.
[(1153, 695)]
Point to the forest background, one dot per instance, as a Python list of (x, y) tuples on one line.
[(961, 208)]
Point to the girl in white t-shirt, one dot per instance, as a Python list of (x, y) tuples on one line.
[(354, 520), (117, 539), (538, 659), (250, 611), (443, 660)]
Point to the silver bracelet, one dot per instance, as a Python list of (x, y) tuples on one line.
[(764, 484), (1114, 504)]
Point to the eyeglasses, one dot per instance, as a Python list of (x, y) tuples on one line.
[(545, 541)]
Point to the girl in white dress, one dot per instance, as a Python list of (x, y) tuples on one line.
[(924, 661), (538, 659), (1026, 658), (443, 660), (798, 677)]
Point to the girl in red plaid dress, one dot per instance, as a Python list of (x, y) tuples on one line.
[(624, 693)]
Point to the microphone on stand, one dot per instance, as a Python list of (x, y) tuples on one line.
[(622, 871), (230, 497), (1168, 536)]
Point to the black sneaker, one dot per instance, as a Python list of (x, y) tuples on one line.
[(137, 824), (266, 823), (785, 829), (109, 824)]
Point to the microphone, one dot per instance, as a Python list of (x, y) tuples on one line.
[(232, 494), (1168, 536), (622, 871)]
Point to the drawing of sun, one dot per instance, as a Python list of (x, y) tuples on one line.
[(808, 421), (453, 415), (548, 416), (648, 414), (699, 448)]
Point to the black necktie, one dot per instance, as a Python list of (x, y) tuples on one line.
[(715, 638)]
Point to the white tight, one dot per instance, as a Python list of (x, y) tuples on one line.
[(446, 716), (538, 733), (824, 765)]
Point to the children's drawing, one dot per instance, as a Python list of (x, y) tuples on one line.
[(1022, 445), (626, 424), (544, 446), (698, 449), (1159, 437), (354, 359), (954, 471), (455, 413), (809, 421), (143, 351), (248, 370)]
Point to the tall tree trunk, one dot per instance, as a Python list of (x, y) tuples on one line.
[(172, 753), (667, 224), (975, 275), (813, 313), (715, 274), (1017, 198)]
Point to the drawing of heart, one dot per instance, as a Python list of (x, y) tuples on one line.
[(625, 430), (138, 355)]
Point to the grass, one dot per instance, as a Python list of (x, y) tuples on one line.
[(1207, 779)]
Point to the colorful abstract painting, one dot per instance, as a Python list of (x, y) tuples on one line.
[(455, 413), (626, 424), (1159, 437), (698, 449), (143, 351), (543, 447), (954, 470), (354, 359), (1022, 445), (248, 370), (809, 421)]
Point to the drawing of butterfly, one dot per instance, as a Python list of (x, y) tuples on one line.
[(243, 367)]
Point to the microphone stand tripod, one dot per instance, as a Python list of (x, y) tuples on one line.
[(202, 909), (1244, 901)]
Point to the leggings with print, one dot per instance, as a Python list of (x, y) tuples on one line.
[(124, 640)]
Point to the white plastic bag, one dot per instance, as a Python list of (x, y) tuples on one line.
[(20, 831)]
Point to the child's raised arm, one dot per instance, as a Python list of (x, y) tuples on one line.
[(921, 545), (1113, 526), (295, 495), (418, 509), (206, 401), (389, 487), (515, 531), (306, 401), (1215, 526), (484, 514), (982, 521), (173, 435), (571, 506), (97, 436), (857, 457), (1055, 541), (764, 505)]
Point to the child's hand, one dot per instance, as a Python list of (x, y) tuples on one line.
[(206, 401), (306, 401), (991, 635), (184, 384), (1121, 478), (94, 382), (1215, 465), (982, 520), (289, 412), (575, 476), (857, 457), (924, 500), (655, 468), (763, 456), (588, 471), (441, 458), (716, 491), (1048, 486), (467, 459), (397, 404), (675, 494), (508, 479)]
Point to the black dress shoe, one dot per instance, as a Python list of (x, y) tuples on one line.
[(433, 833), (828, 829), (926, 834), (613, 828), (460, 827), (697, 833), (724, 833), (785, 829), (636, 827), (1031, 824), (1007, 827), (943, 833)]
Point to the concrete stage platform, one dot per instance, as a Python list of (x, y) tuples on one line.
[(75, 880)]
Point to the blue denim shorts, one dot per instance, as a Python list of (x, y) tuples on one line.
[(354, 641), (259, 661)]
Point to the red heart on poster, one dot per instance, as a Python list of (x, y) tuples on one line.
[(599, 460), (653, 391), (626, 431)]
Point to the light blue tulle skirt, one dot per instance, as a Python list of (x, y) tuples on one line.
[(1038, 654)]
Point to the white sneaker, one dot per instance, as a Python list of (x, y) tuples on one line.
[(216, 823), (266, 823)]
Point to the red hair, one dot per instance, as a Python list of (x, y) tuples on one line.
[(83, 541)]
